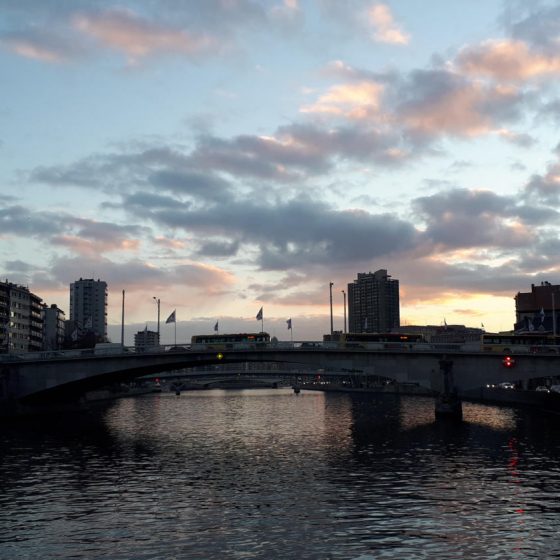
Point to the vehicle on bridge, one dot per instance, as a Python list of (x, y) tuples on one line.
[(236, 341), (377, 341), (526, 343)]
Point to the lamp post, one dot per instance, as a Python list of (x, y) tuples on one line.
[(158, 304), (344, 294), (553, 319), (331, 284)]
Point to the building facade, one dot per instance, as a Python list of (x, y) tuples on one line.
[(145, 340), (373, 303), (53, 327), (21, 320), (88, 307), (536, 310)]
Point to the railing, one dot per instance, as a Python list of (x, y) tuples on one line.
[(309, 346)]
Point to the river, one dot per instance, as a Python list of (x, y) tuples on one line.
[(267, 474)]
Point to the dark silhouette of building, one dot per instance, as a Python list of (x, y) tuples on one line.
[(21, 320), (146, 340), (53, 327), (373, 303), (536, 310)]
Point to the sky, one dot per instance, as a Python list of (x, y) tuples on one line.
[(227, 155)]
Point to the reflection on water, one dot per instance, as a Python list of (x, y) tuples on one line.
[(267, 474)]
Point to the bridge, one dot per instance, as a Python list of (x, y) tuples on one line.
[(31, 382)]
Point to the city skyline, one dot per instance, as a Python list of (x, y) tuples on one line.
[(228, 156)]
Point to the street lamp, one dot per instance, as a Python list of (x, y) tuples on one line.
[(330, 291), (344, 294), (158, 302)]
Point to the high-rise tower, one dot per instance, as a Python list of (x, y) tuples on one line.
[(88, 306), (373, 303)]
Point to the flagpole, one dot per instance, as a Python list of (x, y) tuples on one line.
[(122, 321)]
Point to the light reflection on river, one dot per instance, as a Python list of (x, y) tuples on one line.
[(267, 474)]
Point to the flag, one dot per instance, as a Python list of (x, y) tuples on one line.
[(444, 323), (171, 318), (542, 315), (216, 326), (365, 324), (89, 323), (482, 325), (289, 321), (260, 314), (74, 335)]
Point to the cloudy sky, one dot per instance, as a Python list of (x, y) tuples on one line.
[(224, 155)]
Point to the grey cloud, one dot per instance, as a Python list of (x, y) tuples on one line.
[(106, 232), (18, 220), (544, 188), (551, 110), (218, 248), (19, 266), (293, 232), (461, 218), (142, 200), (252, 156), (191, 183), (300, 151), (540, 28)]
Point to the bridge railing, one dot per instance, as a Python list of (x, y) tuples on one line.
[(308, 346)]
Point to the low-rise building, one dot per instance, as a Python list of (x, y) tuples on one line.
[(145, 340)]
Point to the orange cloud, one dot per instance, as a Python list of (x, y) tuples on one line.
[(170, 243), (123, 30), (28, 49), (507, 60), (88, 247), (386, 30), (354, 101)]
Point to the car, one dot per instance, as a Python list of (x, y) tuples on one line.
[(543, 389), (506, 385)]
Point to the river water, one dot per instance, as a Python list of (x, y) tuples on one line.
[(266, 474)]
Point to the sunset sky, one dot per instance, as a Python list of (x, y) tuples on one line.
[(224, 155)]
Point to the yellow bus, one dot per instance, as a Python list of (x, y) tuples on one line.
[(526, 343), (229, 341)]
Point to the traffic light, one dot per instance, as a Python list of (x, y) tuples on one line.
[(508, 361)]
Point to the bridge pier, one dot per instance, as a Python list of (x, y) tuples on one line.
[(448, 404)]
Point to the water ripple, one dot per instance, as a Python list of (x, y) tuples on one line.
[(270, 475)]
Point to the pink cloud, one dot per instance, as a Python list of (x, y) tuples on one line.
[(385, 28), (28, 49), (95, 247), (461, 110), (124, 31), (169, 243), (507, 60)]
